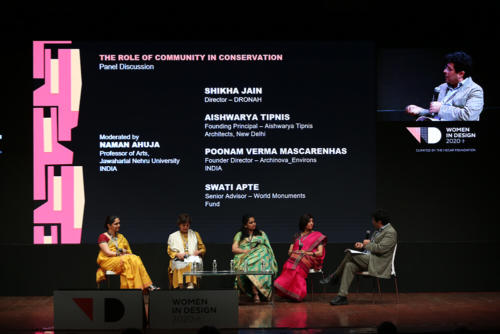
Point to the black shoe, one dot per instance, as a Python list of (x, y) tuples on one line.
[(339, 300), (332, 279)]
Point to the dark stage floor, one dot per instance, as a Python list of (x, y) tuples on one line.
[(416, 312)]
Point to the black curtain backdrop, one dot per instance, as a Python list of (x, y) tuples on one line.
[(443, 206)]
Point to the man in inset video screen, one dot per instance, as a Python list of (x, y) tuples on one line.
[(458, 99)]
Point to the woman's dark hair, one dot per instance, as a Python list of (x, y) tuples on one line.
[(381, 216), (183, 218), (244, 230), (304, 220), (461, 61), (109, 221)]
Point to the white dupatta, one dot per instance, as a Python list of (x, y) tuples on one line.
[(176, 244)]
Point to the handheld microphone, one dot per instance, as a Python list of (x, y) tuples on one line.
[(435, 94), (367, 235)]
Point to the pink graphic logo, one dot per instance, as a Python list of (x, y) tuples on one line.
[(56, 106), (429, 135)]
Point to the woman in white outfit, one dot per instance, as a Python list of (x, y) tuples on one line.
[(185, 247)]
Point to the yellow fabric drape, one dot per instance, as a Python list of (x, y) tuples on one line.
[(175, 275), (133, 274)]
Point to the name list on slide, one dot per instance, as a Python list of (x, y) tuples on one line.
[(231, 141)]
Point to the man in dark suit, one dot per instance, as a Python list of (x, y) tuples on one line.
[(374, 255)]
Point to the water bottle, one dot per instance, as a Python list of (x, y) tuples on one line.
[(214, 265), (231, 265)]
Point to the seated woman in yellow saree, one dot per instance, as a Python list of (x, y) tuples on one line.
[(115, 255), (253, 252)]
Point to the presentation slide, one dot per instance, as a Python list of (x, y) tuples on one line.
[(149, 130)]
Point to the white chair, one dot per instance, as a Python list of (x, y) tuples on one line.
[(377, 279), (108, 273)]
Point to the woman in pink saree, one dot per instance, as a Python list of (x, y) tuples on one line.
[(306, 252)]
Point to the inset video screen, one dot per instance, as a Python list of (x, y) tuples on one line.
[(433, 96)]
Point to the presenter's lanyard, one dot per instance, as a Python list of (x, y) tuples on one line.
[(185, 241), (301, 238), (374, 235), (115, 241), (448, 99)]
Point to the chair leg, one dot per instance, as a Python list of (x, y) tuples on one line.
[(312, 289), (373, 290), (324, 285), (378, 286), (357, 284), (397, 290)]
